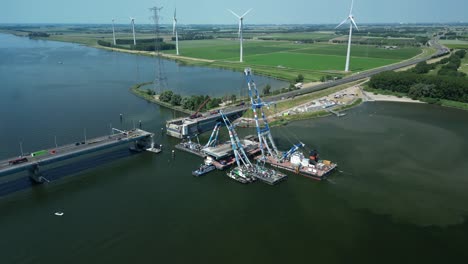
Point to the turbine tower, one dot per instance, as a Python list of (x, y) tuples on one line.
[(133, 29), (241, 26), (113, 32), (351, 21), (174, 32)]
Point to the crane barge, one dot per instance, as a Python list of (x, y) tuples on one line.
[(292, 160), (247, 171)]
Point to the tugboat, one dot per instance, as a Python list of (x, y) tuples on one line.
[(204, 169)]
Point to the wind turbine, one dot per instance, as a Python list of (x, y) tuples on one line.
[(174, 32), (241, 26), (350, 18), (133, 29), (113, 31)]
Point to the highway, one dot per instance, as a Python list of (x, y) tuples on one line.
[(72, 150)]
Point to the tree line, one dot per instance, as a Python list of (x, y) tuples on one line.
[(449, 83), (38, 34), (192, 102), (378, 42), (142, 44), (193, 36)]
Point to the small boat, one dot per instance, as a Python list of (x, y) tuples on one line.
[(153, 149), (204, 169), (58, 213)]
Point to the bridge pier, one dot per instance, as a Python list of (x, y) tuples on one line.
[(143, 143), (35, 174)]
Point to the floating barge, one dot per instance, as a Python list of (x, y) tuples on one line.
[(269, 176), (191, 147), (319, 171), (242, 175), (251, 174), (222, 154)]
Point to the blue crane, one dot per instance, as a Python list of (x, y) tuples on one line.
[(264, 135), (213, 141), (238, 149), (291, 151)]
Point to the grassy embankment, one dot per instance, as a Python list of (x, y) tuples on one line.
[(135, 89)]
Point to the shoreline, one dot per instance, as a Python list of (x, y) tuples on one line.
[(367, 96), (135, 90), (371, 97)]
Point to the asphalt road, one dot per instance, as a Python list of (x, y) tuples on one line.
[(72, 150)]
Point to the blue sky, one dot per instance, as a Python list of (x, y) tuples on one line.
[(214, 11)]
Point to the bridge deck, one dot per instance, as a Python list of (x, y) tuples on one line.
[(73, 150)]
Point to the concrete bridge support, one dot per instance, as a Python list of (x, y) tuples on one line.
[(143, 143), (35, 174)]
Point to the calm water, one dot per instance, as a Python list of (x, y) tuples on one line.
[(41, 98), (401, 196)]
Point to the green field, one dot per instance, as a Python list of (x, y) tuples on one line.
[(283, 54), (361, 51), (316, 36), (455, 44), (316, 62)]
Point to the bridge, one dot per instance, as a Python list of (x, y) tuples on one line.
[(187, 127), (32, 163)]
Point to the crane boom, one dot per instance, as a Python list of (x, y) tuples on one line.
[(237, 148), (196, 114), (264, 135), (214, 136), (291, 151)]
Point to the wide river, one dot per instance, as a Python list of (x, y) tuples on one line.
[(400, 195)]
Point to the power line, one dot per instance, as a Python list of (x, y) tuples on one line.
[(160, 81)]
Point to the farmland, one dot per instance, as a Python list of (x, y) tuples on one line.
[(315, 36), (283, 54), (455, 44), (270, 51)]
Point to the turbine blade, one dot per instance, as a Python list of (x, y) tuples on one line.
[(175, 12), (342, 22), (234, 13), (246, 12), (173, 26), (354, 22), (351, 10)]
